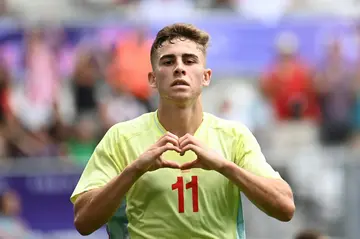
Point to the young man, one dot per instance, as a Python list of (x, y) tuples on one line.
[(181, 170)]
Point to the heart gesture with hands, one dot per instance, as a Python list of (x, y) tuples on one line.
[(206, 158), (152, 159)]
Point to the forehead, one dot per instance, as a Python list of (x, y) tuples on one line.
[(179, 47)]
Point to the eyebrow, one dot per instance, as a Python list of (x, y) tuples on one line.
[(186, 55), (189, 55)]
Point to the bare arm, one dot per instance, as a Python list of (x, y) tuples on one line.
[(273, 196), (94, 208)]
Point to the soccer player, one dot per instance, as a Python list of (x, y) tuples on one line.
[(180, 170)]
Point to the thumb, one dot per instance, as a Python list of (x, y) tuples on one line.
[(169, 164), (189, 165)]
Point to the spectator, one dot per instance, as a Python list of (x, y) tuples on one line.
[(35, 143), (131, 65), (334, 83), (83, 142), (242, 103), (5, 81), (34, 104), (38, 140), (288, 84), (42, 76), (118, 106), (7, 121), (85, 77), (11, 226)]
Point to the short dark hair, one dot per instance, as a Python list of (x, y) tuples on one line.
[(308, 234), (180, 31)]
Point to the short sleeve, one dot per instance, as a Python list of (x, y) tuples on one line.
[(248, 155), (104, 164)]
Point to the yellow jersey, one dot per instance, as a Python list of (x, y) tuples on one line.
[(171, 203)]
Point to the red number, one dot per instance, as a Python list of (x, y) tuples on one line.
[(193, 184), (180, 186), (195, 195)]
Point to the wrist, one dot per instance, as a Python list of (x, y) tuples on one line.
[(136, 169), (225, 167)]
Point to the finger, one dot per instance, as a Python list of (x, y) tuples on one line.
[(184, 142), (169, 164), (188, 139), (172, 135), (160, 150), (168, 138), (186, 136), (196, 149), (189, 165)]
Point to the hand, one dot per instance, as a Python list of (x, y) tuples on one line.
[(206, 158), (152, 159)]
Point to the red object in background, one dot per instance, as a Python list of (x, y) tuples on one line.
[(4, 92), (131, 65), (4, 101), (287, 84)]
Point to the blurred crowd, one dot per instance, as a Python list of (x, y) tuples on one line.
[(325, 94), (45, 113), (54, 11), (308, 103)]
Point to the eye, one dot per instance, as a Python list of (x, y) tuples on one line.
[(189, 62), (167, 63)]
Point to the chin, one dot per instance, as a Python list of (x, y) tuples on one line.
[(180, 101), (181, 97)]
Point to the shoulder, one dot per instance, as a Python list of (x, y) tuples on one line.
[(131, 128), (228, 127)]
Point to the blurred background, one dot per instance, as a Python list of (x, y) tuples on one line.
[(288, 69)]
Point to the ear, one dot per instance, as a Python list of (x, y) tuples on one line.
[(207, 77), (152, 80)]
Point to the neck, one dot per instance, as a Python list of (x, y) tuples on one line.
[(180, 120)]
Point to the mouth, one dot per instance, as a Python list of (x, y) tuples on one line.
[(180, 82)]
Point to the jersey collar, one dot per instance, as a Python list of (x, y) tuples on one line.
[(162, 130)]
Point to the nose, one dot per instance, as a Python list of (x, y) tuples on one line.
[(179, 70)]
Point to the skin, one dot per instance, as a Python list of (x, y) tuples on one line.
[(180, 112), (11, 204), (180, 109)]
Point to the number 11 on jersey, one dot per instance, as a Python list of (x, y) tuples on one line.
[(193, 185)]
